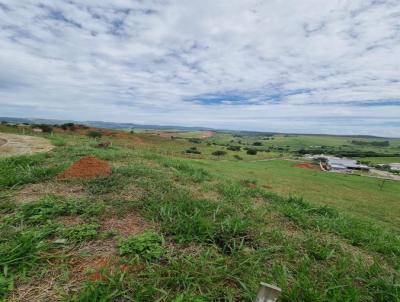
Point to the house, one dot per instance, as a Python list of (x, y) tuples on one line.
[(395, 166), (339, 164)]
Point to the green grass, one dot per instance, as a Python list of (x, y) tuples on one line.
[(357, 195), (16, 171), (215, 229)]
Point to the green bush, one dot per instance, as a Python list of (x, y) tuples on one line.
[(219, 153), (94, 134), (251, 152), (193, 150)]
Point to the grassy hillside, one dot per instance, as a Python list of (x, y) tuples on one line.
[(362, 196), (164, 227)]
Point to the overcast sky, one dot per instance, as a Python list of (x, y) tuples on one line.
[(291, 65)]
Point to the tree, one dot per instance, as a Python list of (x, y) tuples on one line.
[(234, 148), (45, 128)]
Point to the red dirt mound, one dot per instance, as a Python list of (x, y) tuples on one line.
[(87, 167), (307, 166)]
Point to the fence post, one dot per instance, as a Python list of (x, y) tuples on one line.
[(268, 293)]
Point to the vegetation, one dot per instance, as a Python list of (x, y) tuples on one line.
[(164, 227), (252, 151), (371, 143), (94, 134), (219, 153)]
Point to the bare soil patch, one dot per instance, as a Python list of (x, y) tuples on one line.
[(34, 192), (14, 144), (2, 141), (87, 167), (308, 166), (127, 226)]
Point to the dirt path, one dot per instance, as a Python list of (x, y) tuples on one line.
[(2, 142), (13, 144)]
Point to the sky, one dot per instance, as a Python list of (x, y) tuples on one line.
[(309, 66)]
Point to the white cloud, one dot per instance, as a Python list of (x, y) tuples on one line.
[(307, 66)]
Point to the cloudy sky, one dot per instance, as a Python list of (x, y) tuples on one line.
[(271, 65)]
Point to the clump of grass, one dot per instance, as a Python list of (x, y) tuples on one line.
[(50, 207), (136, 170), (147, 246), (82, 232), (20, 250), (356, 231), (58, 141), (187, 169), (22, 170), (102, 185), (6, 204)]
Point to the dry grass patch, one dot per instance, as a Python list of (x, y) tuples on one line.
[(132, 224), (37, 191)]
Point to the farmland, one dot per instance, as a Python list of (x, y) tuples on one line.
[(168, 225)]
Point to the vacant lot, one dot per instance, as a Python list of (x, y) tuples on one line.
[(166, 228)]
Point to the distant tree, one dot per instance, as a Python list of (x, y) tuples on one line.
[(45, 128), (68, 126), (257, 144), (219, 153), (251, 152), (193, 150), (94, 134), (234, 148)]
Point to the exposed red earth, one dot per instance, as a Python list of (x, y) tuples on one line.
[(87, 167)]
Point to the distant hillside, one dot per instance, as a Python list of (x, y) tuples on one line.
[(99, 124), (113, 125)]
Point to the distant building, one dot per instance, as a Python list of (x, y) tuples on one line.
[(339, 164), (395, 166), (37, 130)]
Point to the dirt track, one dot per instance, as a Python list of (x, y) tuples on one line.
[(13, 144)]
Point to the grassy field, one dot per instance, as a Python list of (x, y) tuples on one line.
[(169, 227), (362, 196)]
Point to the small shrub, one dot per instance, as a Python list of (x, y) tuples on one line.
[(193, 150), (251, 152), (257, 144), (238, 157), (94, 134), (44, 128), (219, 153), (147, 246)]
